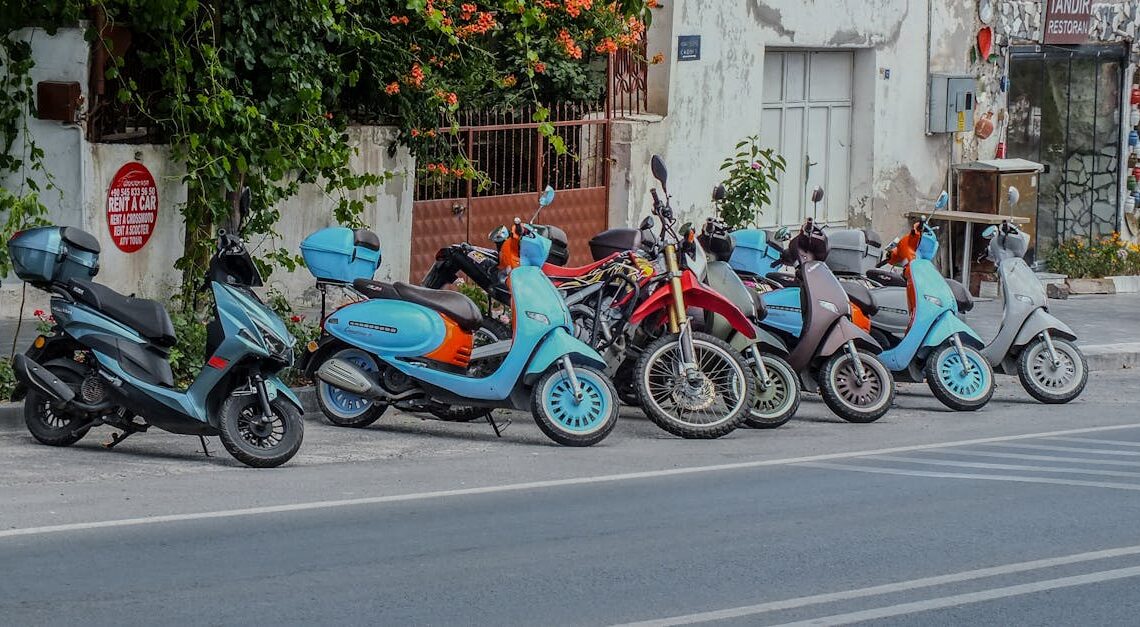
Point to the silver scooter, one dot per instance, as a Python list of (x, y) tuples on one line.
[(1031, 342)]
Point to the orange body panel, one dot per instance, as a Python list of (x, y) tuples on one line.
[(859, 318), (456, 346)]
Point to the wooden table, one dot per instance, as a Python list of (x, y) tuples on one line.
[(969, 218)]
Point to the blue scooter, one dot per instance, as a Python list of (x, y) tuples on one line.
[(937, 346), (413, 347), (107, 363)]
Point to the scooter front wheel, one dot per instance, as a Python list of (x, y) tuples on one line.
[(851, 398), (568, 419), (960, 388), (777, 403), (256, 440), (1051, 383)]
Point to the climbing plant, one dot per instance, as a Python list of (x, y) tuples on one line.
[(261, 93)]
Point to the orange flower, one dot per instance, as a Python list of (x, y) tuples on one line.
[(606, 46), (653, 4), (415, 132), (431, 167), (468, 10), (430, 132), (575, 7), (398, 19), (657, 58), (540, 67), (392, 89), (415, 78), (509, 80), (568, 45)]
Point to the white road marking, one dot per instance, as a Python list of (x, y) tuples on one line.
[(890, 588), (1096, 441), (533, 485), (1041, 458), (1072, 449), (968, 598), (1060, 469), (880, 470)]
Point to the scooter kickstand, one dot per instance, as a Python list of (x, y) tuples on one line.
[(494, 425), (205, 449), (116, 439)]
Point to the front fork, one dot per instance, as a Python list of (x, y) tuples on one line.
[(764, 379), (678, 316), (853, 352), (263, 398), (1052, 349), (957, 341), (575, 386)]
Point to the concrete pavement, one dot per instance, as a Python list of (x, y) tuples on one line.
[(926, 517)]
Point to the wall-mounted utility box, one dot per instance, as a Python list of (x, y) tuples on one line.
[(56, 100), (951, 103)]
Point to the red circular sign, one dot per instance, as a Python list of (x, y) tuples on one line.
[(132, 207)]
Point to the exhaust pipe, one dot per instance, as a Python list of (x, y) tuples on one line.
[(34, 375), (346, 376)]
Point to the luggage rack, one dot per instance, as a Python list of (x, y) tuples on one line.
[(323, 286)]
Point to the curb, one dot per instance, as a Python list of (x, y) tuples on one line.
[(1101, 358)]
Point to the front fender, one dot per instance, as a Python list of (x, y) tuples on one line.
[(696, 295), (845, 331), (947, 325), (276, 387), (767, 342), (1038, 321), (557, 343)]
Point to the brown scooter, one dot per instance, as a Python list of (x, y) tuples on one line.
[(833, 353)]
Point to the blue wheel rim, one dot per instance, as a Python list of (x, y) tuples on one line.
[(969, 385), (342, 403), (570, 414)]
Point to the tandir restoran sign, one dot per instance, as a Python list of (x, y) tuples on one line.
[(1067, 21), (132, 207)]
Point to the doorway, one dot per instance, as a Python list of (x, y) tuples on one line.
[(1065, 112), (806, 117)]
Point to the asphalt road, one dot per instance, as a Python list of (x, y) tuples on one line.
[(1019, 514)]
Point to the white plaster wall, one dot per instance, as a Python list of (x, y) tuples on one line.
[(715, 102)]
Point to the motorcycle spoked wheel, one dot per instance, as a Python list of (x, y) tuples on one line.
[(489, 332), (49, 424), (778, 403), (345, 409), (848, 398), (260, 441), (571, 421), (711, 404), (956, 387), (1046, 382)]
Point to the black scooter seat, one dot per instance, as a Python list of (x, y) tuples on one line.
[(148, 317), (861, 296), (886, 278), (962, 295), (451, 304), (784, 279)]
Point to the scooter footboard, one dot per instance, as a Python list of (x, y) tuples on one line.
[(557, 343)]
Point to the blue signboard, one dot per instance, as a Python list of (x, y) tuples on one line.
[(689, 48)]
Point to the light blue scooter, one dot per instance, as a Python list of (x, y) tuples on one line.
[(412, 346), (937, 346), (107, 362)]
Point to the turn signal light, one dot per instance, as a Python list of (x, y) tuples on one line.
[(39, 342), (312, 346)]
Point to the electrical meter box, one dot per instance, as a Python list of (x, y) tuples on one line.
[(951, 103)]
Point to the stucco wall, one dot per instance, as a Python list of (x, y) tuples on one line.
[(714, 102), (82, 172)]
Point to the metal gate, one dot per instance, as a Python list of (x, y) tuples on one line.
[(506, 146)]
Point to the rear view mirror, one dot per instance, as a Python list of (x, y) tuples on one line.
[(990, 231), (782, 234), (719, 193), (943, 200), (1014, 196), (657, 164), (817, 194), (647, 224), (547, 197)]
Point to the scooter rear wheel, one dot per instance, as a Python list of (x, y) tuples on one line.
[(571, 421), (1049, 384), (955, 387), (255, 443), (48, 424), (345, 409), (847, 397)]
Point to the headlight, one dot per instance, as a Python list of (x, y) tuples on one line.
[(830, 306), (276, 345)]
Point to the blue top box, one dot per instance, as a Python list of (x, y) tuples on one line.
[(341, 255)]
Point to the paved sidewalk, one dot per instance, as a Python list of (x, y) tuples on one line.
[(1096, 319)]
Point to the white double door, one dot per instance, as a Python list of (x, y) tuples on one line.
[(807, 119)]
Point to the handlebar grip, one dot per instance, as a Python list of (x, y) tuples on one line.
[(882, 263)]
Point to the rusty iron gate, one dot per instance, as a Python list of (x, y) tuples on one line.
[(518, 163)]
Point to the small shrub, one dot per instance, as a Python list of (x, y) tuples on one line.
[(751, 173), (7, 379), (1108, 256)]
